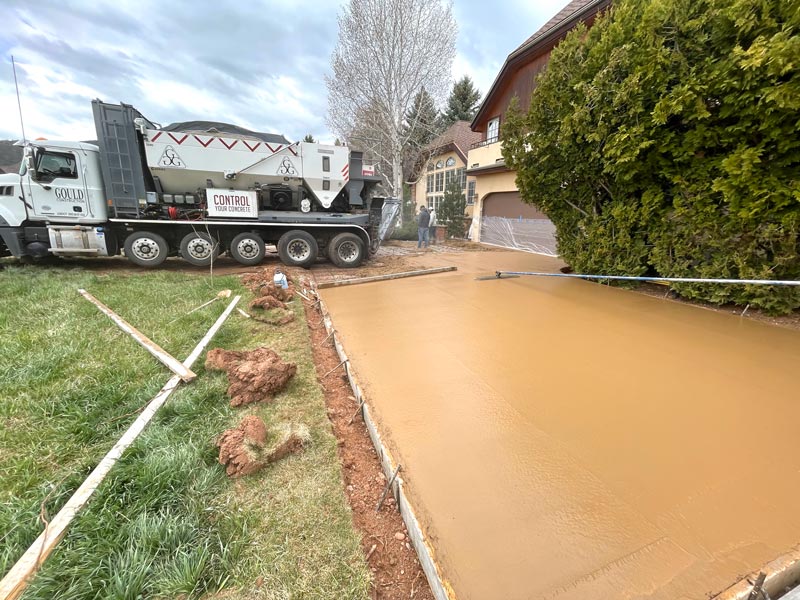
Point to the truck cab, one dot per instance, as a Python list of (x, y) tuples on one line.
[(53, 202), (61, 182)]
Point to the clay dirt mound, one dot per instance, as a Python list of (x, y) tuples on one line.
[(262, 284), (244, 450), (253, 375), (272, 299)]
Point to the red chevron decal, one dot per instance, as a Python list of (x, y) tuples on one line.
[(179, 141), (202, 143), (224, 143), (292, 151), (249, 147), (273, 150), (156, 136)]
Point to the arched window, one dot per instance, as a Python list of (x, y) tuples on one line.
[(451, 161), (439, 164)]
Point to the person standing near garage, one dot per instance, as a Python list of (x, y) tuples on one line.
[(423, 224)]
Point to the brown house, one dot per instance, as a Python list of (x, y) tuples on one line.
[(501, 216)]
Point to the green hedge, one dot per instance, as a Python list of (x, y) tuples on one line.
[(408, 231), (665, 140)]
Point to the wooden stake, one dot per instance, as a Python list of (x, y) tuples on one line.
[(330, 284), (13, 584), (172, 363)]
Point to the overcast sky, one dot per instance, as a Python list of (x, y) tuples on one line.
[(260, 65)]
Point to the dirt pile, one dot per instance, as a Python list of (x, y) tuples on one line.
[(244, 450), (270, 298), (253, 375)]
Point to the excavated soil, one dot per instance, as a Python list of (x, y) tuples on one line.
[(243, 450), (270, 299), (254, 375), (396, 571), (239, 448)]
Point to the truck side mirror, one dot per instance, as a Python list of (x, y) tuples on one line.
[(30, 167)]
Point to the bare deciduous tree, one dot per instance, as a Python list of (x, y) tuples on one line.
[(387, 51)]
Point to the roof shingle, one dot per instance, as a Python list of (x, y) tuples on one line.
[(458, 134), (562, 15)]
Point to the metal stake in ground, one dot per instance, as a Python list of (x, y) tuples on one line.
[(386, 489), (13, 584), (333, 369), (355, 414)]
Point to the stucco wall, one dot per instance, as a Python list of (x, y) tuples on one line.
[(420, 189)]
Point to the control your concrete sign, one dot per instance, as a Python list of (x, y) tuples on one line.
[(232, 203)]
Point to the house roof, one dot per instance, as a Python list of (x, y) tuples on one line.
[(560, 17), (458, 137), (555, 28)]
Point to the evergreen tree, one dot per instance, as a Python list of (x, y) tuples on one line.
[(463, 102), (338, 142), (309, 138), (423, 124), (421, 121), (451, 210), (664, 140)]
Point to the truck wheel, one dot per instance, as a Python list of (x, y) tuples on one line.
[(247, 248), (146, 249), (298, 248), (346, 250), (199, 249)]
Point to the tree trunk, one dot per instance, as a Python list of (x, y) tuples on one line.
[(397, 177)]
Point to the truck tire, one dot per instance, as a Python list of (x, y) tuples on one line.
[(199, 248), (298, 248), (247, 248), (146, 249), (346, 250)]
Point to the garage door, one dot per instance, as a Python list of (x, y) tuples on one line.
[(508, 221)]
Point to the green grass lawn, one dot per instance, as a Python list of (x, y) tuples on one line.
[(166, 522)]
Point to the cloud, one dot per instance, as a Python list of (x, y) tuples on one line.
[(258, 64), (490, 31)]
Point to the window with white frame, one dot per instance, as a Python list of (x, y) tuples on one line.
[(462, 177), (450, 162), (429, 186), (439, 182), (471, 192), (434, 202), (493, 130)]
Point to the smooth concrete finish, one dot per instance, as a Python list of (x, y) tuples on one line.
[(564, 439)]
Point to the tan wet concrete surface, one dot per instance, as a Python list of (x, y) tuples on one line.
[(563, 439)]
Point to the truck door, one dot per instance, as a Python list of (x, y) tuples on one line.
[(56, 191)]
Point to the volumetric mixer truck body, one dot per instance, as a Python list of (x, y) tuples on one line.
[(192, 189)]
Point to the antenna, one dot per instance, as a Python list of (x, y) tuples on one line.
[(19, 104)]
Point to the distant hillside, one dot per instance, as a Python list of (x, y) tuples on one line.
[(10, 156)]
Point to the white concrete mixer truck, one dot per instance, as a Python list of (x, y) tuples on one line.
[(192, 189)]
